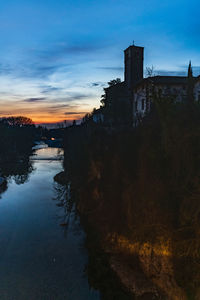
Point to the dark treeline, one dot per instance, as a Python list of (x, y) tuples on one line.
[(139, 189), (17, 137), (16, 140)]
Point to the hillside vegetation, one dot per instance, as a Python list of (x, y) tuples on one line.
[(139, 189)]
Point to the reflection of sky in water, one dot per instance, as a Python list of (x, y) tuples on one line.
[(37, 261), (47, 154)]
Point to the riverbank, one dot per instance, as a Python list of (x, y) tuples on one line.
[(112, 269), (138, 189), (98, 269)]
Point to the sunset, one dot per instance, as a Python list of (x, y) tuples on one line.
[(99, 150), (56, 57)]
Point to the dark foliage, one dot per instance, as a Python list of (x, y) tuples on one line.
[(16, 140), (143, 182)]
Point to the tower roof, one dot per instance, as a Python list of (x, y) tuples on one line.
[(133, 47)]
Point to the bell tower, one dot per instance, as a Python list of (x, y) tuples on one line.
[(133, 61)]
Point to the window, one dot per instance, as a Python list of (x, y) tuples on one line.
[(142, 104), (136, 105)]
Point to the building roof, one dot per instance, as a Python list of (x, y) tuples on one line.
[(167, 80), (133, 46)]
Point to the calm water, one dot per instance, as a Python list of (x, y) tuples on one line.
[(39, 259)]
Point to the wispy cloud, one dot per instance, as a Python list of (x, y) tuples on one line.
[(170, 73), (97, 84), (26, 70), (111, 68), (181, 72), (59, 106), (73, 96), (5, 69), (50, 89), (60, 50), (75, 112), (34, 99), (42, 70)]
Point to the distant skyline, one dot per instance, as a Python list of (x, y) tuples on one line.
[(57, 56)]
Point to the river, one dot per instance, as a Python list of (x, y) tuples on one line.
[(39, 259)]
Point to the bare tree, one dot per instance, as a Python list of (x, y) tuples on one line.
[(150, 71)]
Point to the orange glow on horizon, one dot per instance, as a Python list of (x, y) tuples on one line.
[(47, 113), (50, 120), (37, 118)]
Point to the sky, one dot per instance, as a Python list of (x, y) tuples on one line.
[(57, 56)]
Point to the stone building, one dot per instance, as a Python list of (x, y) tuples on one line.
[(174, 87), (127, 102)]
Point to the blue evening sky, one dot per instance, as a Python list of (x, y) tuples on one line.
[(56, 56)]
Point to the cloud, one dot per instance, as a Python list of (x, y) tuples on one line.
[(75, 112), (76, 96), (182, 72), (58, 106), (61, 55), (34, 99), (111, 68), (38, 69), (44, 70), (25, 69), (170, 73), (63, 49), (95, 84), (5, 69), (50, 89)]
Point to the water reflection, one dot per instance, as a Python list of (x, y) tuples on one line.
[(38, 261), (97, 270), (18, 170)]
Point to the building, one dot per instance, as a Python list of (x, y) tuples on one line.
[(127, 102)]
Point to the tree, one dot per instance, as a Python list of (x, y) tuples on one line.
[(17, 121), (190, 84), (110, 84), (150, 71), (114, 82)]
